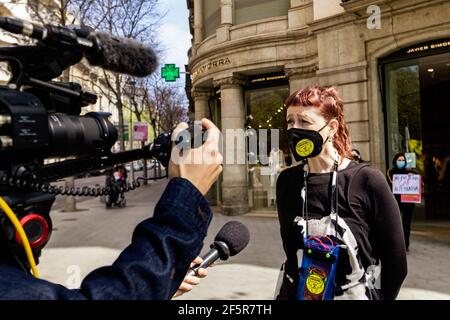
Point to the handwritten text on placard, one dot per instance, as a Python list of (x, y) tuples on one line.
[(406, 184)]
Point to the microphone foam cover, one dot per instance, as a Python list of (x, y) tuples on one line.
[(124, 55), (235, 235)]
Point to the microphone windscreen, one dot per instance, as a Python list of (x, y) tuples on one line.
[(123, 55), (235, 235)]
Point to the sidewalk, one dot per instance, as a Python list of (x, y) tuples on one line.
[(253, 274), (94, 237), (432, 230)]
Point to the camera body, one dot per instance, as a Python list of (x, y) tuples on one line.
[(29, 133), (23, 126), (40, 119)]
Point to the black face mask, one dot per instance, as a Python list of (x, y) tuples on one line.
[(305, 143)]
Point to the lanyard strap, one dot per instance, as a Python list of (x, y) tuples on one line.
[(333, 198)]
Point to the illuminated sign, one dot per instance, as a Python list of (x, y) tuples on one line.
[(170, 73), (419, 50), (268, 78), (428, 47), (210, 65)]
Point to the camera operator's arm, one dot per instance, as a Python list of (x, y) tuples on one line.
[(155, 263)]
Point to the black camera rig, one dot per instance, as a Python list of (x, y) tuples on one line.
[(40, 119)]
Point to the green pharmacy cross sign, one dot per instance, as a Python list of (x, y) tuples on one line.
[(170, 73)]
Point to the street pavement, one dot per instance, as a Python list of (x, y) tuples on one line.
[(93, 181), (94, 236)]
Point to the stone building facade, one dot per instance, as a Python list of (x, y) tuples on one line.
[(364, 48)]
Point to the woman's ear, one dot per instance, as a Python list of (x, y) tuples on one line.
[(334, 126)]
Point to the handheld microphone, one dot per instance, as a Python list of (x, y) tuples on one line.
[(229, 241), (115, 54)]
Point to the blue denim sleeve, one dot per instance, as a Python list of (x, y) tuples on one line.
[(151, 267), (162, 248)]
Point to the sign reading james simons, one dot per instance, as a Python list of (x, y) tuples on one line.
[(406, 184)]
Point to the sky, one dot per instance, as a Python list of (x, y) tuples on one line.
[(174, 34)]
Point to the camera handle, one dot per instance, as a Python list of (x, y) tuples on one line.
[(39, 178)]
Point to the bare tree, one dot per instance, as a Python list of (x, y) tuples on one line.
[(135, 19), (171, 107), (61, 12), (162, 104)]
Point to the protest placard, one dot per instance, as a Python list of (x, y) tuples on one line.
[(140, 131), (406, 184)]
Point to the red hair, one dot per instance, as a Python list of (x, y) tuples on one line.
[(331, 107)]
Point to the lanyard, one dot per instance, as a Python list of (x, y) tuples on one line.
[(334, 195)]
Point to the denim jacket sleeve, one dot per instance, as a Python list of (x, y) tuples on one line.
[(151, 267)]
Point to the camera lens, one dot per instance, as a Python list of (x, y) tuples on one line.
[(72, 135)]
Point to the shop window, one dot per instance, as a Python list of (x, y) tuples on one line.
[(417, 95), (265, 112), (211, 17), (403, 100)]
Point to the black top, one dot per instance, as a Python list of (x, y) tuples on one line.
[(366, 206)]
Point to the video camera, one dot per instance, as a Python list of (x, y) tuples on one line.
[(40, 119)]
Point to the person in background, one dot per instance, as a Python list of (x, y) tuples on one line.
[(406, 209), (357, 156), (123, 172)]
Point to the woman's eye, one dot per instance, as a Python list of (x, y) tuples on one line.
[(306, 122), (290, 121)]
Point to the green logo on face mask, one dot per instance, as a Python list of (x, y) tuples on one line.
[(304, 147)]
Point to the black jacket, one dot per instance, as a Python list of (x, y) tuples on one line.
[(369, 211)]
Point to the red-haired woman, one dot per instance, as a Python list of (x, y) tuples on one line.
[(340, 224)]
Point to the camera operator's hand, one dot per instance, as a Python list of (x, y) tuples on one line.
[(190, 281), (201, 166)]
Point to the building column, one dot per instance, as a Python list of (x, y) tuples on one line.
[(300, 14), (226, 9), (234, 184), (201, 98), (201, 108), (198, 21), (226, 12)]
